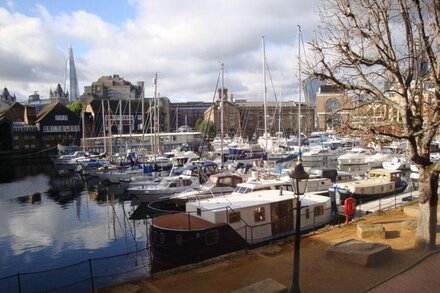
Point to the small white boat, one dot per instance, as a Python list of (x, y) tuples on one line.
[(376, 160), (66, 159), (397, 163), (356, 156), (217, 184), (318, 154), (167, 187)]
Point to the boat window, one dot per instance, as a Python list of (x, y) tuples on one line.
[(179, 239), (318, 211), (199, 211), (211, 237), (259, 214), (234, 217), (307, 213), (162, 238)]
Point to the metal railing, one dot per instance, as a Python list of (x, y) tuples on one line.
[(83, 276)]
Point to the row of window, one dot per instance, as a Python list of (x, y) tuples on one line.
[(26, 147), (61, 117), (26, 137), (61, 128), (211, 238)]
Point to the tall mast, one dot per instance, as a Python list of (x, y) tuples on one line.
[(156, 126), (103, 126), (222, 94), (109, 129), (129, 117), (143, 114), (177, 118), (83, 131), (299, 92), (264, 92)]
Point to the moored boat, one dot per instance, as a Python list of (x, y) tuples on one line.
[(381, 183), (356, 156), (220, 225)]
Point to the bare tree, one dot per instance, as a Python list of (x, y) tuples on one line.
[(386, 53)]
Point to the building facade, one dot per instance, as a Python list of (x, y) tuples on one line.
[(114, 88), (330, 102), (186, 114)]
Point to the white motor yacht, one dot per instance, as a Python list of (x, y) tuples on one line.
[(167, 187), (376, 160), (397, 163), (355, 156)]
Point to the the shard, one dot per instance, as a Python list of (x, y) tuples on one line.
[(71, 80)]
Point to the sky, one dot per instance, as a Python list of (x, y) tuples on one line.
[(184, 41)]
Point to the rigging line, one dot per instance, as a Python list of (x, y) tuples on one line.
[(274, 93), (210, 111)]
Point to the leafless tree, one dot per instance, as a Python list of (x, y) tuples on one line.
[(386, 51)]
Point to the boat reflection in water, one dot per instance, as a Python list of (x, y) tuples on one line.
[(51, 221)]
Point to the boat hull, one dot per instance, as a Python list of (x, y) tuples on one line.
[(342, 194)]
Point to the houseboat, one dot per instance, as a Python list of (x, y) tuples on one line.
[(381, 183), (220, 225)]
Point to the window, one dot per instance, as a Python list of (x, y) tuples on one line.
[(307, 213), (199, 212), (211, 237), (17, 147), (26, 146), (259, 214), (32, 146), (318, 211), (26, 137), (16, 137), (234, 217), (61, 117), (162, 238), (179, 239)]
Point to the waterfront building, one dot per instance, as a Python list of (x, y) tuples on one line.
[(231, 115), (120, 114), (70, 79), (58, 125), (281, 116), (329, 101), (187, 113), (114, 88)]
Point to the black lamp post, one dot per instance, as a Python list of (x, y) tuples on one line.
[(297, 175)]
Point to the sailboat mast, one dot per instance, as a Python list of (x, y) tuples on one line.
[(156, 126), (83, 131), (177, 119), (222, 93), (299, 92), (264, 91), (103, 126)]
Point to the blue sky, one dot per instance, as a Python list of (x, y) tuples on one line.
[(183, 41)]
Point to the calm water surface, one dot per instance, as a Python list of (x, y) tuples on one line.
[(70, 221)]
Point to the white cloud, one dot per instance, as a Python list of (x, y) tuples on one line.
[(182, 40)]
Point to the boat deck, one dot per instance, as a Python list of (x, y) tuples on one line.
[(182, 221)]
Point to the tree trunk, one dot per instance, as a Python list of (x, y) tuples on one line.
[(428, 199)]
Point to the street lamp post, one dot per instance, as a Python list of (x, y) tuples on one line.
[(297, 175)]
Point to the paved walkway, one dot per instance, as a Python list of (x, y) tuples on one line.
[(422, 277)]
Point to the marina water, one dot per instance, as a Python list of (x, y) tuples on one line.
[(51, 221)]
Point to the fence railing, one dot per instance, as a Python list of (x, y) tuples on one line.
[(84, 276)]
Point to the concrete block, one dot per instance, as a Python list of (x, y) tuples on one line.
[(409, 225), (359, 252), (268, 285), (371, 230)]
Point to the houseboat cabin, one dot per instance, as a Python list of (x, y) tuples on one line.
[(380, 183), (220, 225)]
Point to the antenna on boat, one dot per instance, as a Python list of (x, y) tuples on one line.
[(299, 94), (263, 47)]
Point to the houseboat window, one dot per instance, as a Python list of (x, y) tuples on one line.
[(162, 238), (199, 212), (318, 211), (259, 214), (307, 213), (179, 239), (211, 237), (154, 236), (234, 217)]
